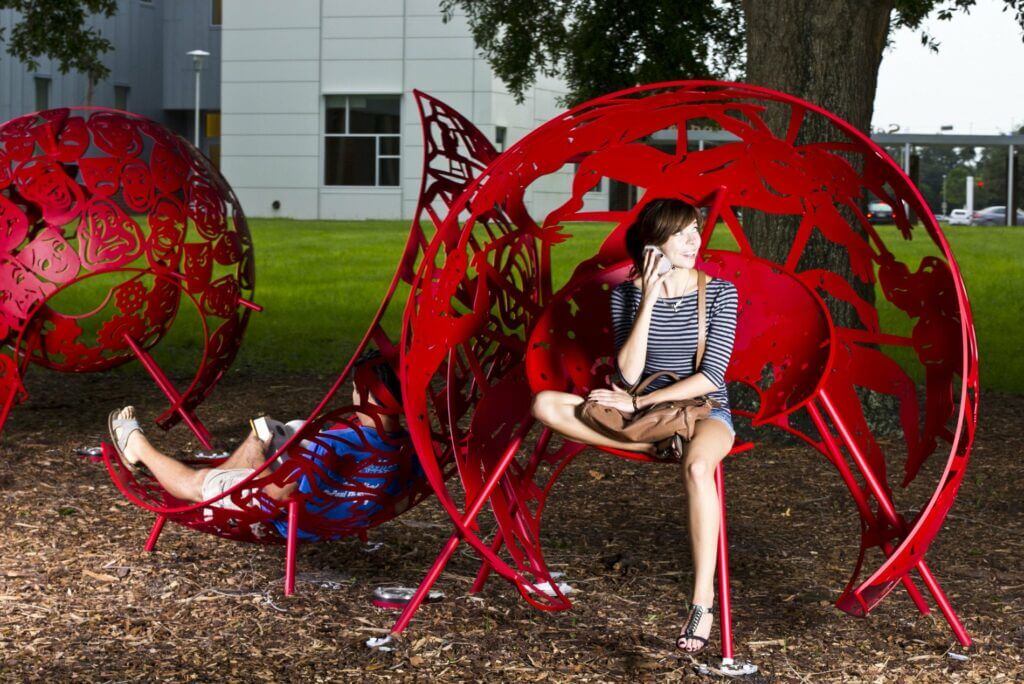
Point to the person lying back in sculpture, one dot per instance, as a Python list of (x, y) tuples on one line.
[(202, 484), (654, 316)]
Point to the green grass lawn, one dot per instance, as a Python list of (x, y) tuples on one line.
[(321, 283)]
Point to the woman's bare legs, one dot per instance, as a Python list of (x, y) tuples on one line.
[(710, 444), (557, 410)]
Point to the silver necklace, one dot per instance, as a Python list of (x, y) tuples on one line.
[(677, 304)]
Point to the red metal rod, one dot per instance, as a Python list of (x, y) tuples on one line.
[(154, 534), (724, 596), (290, 547), (250, 305), (428, 581), (947, 609), (194, 424), (446, 553), (876, 487), (861, 500), (886, 506)]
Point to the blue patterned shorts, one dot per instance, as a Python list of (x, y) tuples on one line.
[(723, 414)]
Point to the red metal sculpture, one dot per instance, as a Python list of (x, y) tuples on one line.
[(483, 330), (98, 193), (349, 496)]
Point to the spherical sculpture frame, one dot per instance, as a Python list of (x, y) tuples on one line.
[(484, 331), (92, 193)]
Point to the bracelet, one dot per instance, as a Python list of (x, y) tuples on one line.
[(633, 397)]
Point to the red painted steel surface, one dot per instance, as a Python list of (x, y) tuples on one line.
[(384, 483), (484, 325), (111, 203)]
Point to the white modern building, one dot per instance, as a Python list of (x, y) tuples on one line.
[(150, 71), (318, 117)]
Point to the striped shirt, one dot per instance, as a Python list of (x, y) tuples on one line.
[(672, 338)]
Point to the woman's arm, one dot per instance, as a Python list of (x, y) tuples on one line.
[(696, 385), (632, 356)]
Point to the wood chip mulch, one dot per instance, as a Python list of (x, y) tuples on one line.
[(80, 600)]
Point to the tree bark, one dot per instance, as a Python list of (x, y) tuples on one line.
[(827, 53)]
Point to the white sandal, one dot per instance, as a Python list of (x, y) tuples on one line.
[(126, 426)]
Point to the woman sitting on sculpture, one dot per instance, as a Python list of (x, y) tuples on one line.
[(654, 316)]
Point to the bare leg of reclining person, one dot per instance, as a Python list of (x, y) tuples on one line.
[(184, 482), (557, 410)]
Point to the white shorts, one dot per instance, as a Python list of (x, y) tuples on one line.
[(219, 480)]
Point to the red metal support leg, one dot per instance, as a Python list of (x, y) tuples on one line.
[(886, 506), (428, 582), (291, 547), (724, 595), (483, 496), (944, 605), (162, 381), (154, 534), (860, 499)]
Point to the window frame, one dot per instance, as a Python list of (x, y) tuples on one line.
[(127, 89), (378, 155), (36, 82)]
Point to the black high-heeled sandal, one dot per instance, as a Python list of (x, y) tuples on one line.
[(696, 614)]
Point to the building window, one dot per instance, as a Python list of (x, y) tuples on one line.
[(362, 145), (499, 138), (121, 97), (216, 12), (42, 93)]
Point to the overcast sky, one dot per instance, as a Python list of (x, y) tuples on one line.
[(975, 82)]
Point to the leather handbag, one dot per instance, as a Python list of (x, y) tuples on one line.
[(664, 419)]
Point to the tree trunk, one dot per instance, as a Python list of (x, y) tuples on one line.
[(827, 53)]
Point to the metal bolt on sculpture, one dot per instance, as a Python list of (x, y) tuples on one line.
[(110, 204), (483, 331)]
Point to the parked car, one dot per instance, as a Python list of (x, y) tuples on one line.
[(959, 217), (879, 212), (995, 216)]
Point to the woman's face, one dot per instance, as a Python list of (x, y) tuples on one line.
[(681, 247)]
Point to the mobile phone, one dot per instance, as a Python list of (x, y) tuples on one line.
[(663, 263), (261, 428)]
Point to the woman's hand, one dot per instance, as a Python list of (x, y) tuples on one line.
[(616, 398), (651, 280)]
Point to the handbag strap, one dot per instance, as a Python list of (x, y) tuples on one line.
[(702, 318), (636, 391)]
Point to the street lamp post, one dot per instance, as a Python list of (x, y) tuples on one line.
[(944, 194), (197, 61)]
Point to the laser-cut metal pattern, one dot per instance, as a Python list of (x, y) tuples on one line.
[(116, 205)]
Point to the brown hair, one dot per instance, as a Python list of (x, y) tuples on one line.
[(656, 223)]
